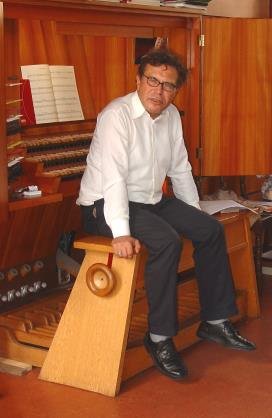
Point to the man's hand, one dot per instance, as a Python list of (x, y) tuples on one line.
[(125, 246)]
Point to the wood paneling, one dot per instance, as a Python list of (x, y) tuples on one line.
[(103, 56), (101, 63), (237, 97), (34, 232), (121, 31), (3, 155), (241, 8), (185, 42)]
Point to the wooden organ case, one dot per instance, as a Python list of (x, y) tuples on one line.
[(99, 40)]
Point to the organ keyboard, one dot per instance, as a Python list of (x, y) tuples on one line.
[(61, 155), (48, 143)]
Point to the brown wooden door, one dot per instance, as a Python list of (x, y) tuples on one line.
[(185, 41), (237, 97)]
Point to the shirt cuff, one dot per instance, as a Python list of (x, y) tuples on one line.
[(120, 228)]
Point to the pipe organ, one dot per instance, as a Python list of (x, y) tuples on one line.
[(100, 40)]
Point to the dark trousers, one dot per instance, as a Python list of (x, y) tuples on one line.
[(159, 228)]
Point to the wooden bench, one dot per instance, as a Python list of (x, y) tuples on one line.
[(98, 343)]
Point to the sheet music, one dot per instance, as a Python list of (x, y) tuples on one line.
[(42, 92), (54, 92), (65, 93), (214, 206)]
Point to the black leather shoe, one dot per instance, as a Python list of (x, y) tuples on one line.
[(166, 358), (225, 334)]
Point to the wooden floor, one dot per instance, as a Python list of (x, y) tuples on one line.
[(223, 384)]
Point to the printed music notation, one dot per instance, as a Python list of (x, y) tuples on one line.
[(54, 92)]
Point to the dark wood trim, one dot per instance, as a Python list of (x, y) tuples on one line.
[(3, 157)]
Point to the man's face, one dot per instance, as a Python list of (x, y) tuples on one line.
[(156, 99)]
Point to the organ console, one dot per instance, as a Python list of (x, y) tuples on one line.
[(99, 41), (55, 164)]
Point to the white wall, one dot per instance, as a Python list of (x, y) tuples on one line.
[(239, 8)]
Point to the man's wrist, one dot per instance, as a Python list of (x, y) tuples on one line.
[(120, 227)]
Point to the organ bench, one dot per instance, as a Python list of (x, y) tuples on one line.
[(98, 343)]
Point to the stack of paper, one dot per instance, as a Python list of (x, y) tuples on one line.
[(197, 4), (146, 2), (223, 206)]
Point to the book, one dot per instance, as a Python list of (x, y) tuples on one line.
[(54, 92), (13, 124), (27, 108), (32, 193)]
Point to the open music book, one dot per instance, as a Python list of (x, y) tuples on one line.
[(54, 92)]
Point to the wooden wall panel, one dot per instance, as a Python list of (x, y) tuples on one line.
[(236, 130), (102, 66), (46, 236), (23, 225), (185, 42), (241, 8), (71, 215), (3, 156), (90, 29), (116, 66), (77, 57), (31, 42), (34, 233), (3, 240)]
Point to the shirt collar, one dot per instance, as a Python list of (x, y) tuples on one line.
[(138, 109)]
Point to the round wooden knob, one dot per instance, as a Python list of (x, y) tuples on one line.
[(100, 279), (38, 265), (11, 274), (25, 269)]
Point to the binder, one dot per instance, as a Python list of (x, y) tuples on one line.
[(27, 108)]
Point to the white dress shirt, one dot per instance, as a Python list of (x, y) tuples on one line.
[(129, 158)]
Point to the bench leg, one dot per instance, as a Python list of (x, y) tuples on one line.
[(89, 346)]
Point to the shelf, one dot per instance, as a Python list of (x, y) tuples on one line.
[(24, 203)]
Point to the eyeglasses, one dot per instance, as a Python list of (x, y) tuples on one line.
[(153, 82)]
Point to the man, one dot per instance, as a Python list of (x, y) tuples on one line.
[(138, 141)]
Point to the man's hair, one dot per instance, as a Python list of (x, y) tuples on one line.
[(158, 57)]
